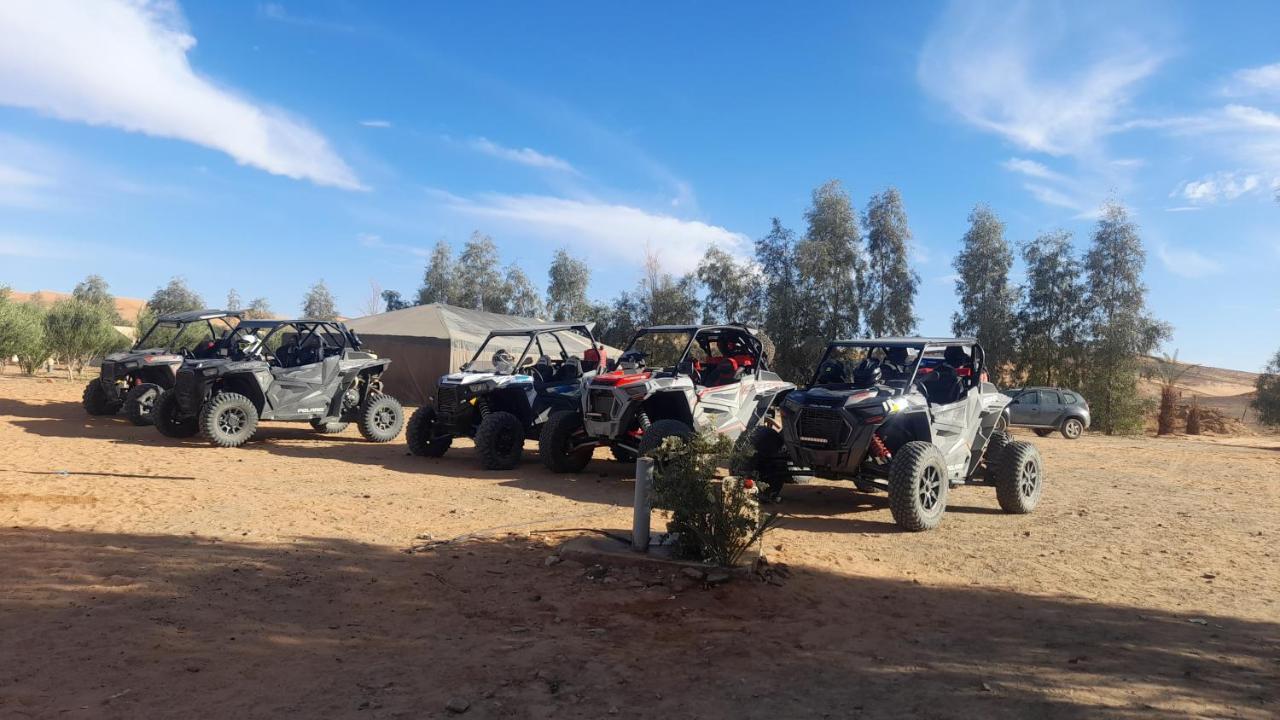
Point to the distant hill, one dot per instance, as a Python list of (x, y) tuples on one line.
[(1227, 391), (127, 307)]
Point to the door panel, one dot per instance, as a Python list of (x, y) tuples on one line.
[(302, 392), (1025, 409)]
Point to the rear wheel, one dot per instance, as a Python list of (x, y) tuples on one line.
[(381, 418), (168, 418), (1000, 440), (1020, 480), (229, 419), (557, 442), (622, 454), (329, 428), (97, 401), (661, 430), (1043, 432), (140, 401), (500, 441), (918, 486), (1072, 429), (764, 458), (421, 434)]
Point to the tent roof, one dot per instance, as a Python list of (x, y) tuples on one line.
[(438, 320)]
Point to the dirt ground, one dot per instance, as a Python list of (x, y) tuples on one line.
[(146, 577)]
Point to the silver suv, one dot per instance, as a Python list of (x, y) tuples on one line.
[(1047, 410)]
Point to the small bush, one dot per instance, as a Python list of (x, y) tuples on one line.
[(22, 334), (1193, 417), (716, 518), (77, 331)]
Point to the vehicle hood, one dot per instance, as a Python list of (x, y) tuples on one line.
[(147, 355), (471, 378)]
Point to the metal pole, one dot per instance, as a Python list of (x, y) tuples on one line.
[(640, 507)]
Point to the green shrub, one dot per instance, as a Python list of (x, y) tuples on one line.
[(716, 519), (22, 334), (77, 331)]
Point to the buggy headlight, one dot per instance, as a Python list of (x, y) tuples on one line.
[(637, 390), (893, 405)]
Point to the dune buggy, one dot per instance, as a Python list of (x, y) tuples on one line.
[(913, 416), (671, 381), (302, 370), (132, 380), (517, 379)]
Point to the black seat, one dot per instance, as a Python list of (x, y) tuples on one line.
[(832, 372), (943, 386), (543, 370), (571, 370)]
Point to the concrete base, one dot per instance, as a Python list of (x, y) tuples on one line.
[(611, 552)]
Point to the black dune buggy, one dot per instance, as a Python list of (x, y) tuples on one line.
[(671, 381), (517, 379), (303, 370), (132, 380), (913, 416)]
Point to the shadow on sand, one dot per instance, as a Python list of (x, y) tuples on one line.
[(110, 625)]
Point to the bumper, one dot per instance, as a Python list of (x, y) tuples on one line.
[(826, 442)]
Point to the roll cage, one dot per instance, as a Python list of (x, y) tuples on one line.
[(707, 339), (931, 354), (311, 340), (535, 340), (182, 321)]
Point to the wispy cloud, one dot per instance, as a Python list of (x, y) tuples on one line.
[(1186, 262), (1020, 73), (376, 123), (523, 156), (375, 242), (617, 231), (1263, 80), (279, 13), (124, 64)]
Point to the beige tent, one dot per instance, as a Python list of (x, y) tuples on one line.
[(427, 341)]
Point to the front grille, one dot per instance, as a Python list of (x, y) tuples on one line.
[(820, 427), (447, 397), (601, 403)]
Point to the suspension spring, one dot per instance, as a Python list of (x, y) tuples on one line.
[(643, 418)]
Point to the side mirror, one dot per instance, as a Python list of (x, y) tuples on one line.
[(685, 368)]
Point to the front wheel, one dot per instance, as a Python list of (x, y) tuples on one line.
[(661, 430), (918, 486), (1072, 429), (169, 420), (97, 401), (500, 441), (562, 443), (1020, 480), (381, 418), (421, 434), (1042, 432), (229, 419), (140, 401)]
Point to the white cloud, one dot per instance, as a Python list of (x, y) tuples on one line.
[(1050, 196), (1187, 263), (1263, 80), (124, 64), (1221, 187), (1031, 168), (1021, 73), (376, 123), (619, 232), (523, 156), (1183, 208)]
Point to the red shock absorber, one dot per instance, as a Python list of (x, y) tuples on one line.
[(879, 450)]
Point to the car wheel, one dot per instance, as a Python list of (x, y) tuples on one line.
[(1020, 481), (918, 486), (762, 454), (500, 441), (381, 418), (1043, 432), (229, 419), (561, 434), (140, 401), (97, 401), (167, 417), (421, 436), (329, 428), (661, 430), (1072, 429)]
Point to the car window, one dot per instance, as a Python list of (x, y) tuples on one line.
[(1049, 397), (1028, 398), (1070, 398)]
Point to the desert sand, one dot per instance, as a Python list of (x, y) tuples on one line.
[(147, 577)]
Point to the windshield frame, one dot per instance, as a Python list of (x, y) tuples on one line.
[(515, 369), (182, 327), (920, 348), (684, 352)]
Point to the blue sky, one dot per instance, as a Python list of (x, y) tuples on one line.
[(263, 146)]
